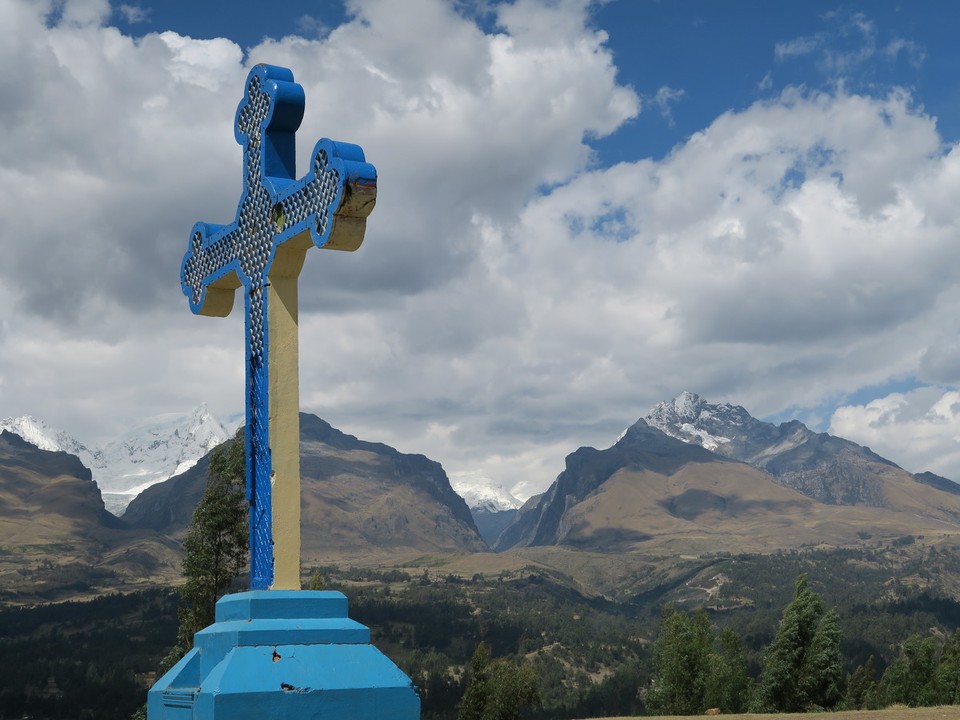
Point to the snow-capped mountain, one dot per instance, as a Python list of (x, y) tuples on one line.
[(157, 449), (492, 506), (690, 418), (727, 429), (827, 468), (482, 493), (38, 433)]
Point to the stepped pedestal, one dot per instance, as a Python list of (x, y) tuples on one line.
[(283, 654)]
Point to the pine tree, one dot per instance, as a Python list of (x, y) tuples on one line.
[(822, 677), (802, 668), (475, 697)]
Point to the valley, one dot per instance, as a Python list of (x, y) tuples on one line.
[(695, 506)]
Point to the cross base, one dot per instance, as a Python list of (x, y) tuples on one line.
[(289, 654)]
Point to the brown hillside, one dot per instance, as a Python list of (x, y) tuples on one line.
[(358, 499), (355, 503), (655, 493), (721, 506), (55, 531)]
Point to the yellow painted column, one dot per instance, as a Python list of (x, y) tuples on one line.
[(284, 429)]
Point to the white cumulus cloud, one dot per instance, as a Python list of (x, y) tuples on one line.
[(513, 300), (919, 430)]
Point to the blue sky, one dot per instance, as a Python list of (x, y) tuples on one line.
[(720, 55), (584, 209), (724, 56)]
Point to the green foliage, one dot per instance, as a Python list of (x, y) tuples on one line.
[(860, 685), (498, 690), (911, 678), (513, 690), (83, 659), (477, 693), (592, 657), (440, 689), (822, 680), (216, 545), (925, 673), (692, 671), (680, 660), (948, 672), (728, 686), (802, 667)]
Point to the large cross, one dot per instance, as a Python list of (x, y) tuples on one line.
[(278, 218)]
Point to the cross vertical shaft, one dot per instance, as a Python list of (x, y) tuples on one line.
[(284, 388)]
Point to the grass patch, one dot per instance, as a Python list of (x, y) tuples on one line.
[(898, 711)]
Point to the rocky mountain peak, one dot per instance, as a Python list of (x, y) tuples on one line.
[(691, 418), (827, 468)]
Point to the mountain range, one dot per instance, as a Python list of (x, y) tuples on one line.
[(361, 502), (699, 477), (824, 467), (689, 480)]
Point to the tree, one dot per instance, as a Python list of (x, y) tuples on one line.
[(512, 689), (948, 672), (822, 677), (802, 668), (680, 657), (860, 685), (216, 546), (727, 686), (475, 697), (498, 690), (911, 679), (692, 671)]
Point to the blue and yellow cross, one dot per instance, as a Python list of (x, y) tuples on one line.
[(278, 219)]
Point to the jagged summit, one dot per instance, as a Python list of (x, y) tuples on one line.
[(160, 447), (727, 429), (690, 418), (827, 468)]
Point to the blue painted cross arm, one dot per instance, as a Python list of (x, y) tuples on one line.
[(278, 217)]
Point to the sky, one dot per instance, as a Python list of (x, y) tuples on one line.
[(584, 209)]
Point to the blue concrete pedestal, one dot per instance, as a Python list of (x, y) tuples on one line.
[(275, 654)]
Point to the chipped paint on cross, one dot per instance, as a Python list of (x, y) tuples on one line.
[(278, 219)]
